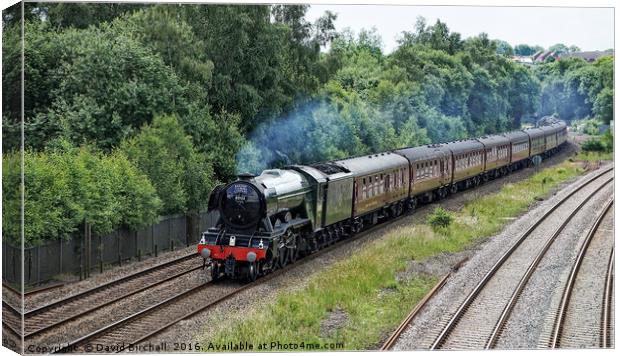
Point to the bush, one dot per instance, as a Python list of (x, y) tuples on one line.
[(603, 143), (67, 186), (440, 218), (593, 145), (182, 176)]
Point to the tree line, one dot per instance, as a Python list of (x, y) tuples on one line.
[(135, 111)]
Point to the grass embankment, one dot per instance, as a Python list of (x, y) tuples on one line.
[(593, 156), (365, 287)]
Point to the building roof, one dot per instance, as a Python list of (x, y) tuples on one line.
[(589, 56)]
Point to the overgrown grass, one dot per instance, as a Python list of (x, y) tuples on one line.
[(365, 285), (593, 156)]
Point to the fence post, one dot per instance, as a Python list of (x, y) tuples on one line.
[(14, 267), (100, 254), (38, 264), (81, 259), (60, 257), (170, 233), (118, 240), (90, 250)]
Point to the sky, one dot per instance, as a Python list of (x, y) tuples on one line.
[(587, 28)]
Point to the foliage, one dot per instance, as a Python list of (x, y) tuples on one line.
[(604, 143), (576, 89), (181, 176), (439, 219), (66, 186), (526, 50), (89, 86)]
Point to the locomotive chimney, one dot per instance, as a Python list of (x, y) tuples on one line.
[(245, 176)]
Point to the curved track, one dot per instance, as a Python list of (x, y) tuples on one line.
[(567, 323), (479, 319)]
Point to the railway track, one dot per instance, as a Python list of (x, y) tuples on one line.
[(607, 318), (480, 318), (572, 327), (30, 293), (138, 327), (60, 312), (389, 343)]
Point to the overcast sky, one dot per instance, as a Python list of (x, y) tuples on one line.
[(587, 28)]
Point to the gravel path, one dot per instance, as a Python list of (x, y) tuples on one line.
[(424, 328)]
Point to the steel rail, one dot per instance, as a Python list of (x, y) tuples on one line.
[(487, 277), (118, 298), (28, 293), (607, 300), (12, 310), (509, 307), (112, 283), (568, 287), (389, 343)]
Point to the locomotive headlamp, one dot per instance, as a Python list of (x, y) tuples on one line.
[(202, 240), (205, 252), (251, 256)]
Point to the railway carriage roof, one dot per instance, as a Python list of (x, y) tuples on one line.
[(535, 132), (494, 140), (559, 126), (549, 130), (424, 152), (373, 163), (517, 136), (464, 146)]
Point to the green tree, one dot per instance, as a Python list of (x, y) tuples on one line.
[(66, 186), (503, 48), (182, 177), (526, 50)]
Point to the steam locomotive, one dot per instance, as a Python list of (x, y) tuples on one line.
[(268, 221)]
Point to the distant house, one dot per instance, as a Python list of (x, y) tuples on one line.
[(523, 59), (589, 56), (542, 56)]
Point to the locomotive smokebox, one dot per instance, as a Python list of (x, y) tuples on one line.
[(246, 176)]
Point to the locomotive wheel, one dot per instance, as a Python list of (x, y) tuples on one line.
[(329, 238), (293, 255), (215, 272), (252, 271), (283, 257), (294, 252), (454, 189)]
